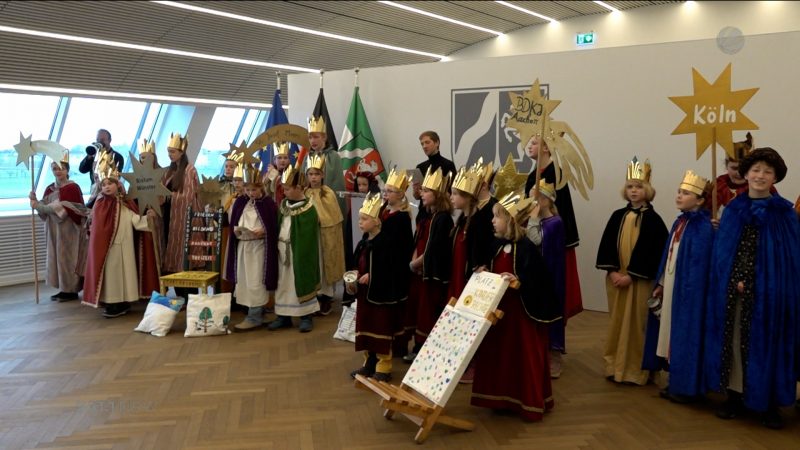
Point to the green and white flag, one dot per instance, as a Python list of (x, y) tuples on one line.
[(358, 150)]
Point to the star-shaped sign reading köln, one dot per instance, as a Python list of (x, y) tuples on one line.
[(145, 184), (24, 150), (508, 179), (529, 112), (714, 107)]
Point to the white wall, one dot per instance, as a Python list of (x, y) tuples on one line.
[(676, 22), (615, 99)]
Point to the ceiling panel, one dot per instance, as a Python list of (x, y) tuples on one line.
[(50, 62)]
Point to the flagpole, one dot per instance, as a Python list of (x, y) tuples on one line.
[(714, 172), (357, 69), (321, 75), (278, 76)]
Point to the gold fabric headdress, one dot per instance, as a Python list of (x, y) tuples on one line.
[(435, 181), (398, 180), (638, 170), (547, 189), (693, 182), (519, 208), (106, 167), (281, 148), (178, 142), (316, 162), (292, 176), (316, 125), (372, 206), (468, 181)]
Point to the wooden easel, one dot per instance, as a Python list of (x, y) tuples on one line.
[(408, 402)]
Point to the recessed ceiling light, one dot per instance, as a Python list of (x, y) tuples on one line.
[(607, 6), (270, 23), (527, 11), (132, 96), (147, 48), (437, 16)]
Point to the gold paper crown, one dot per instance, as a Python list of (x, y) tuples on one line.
[(468, 181), (316, 125), (106, 167), (372, 206), (435, 181), (316, 162), (65, 156), (484, 171), (693, 182), (292, 176), (519, 208), (397, 180), (250, 174), (146, 146), (638, 170), (547, 189), (281, 148), (238, 172), (177, 142)]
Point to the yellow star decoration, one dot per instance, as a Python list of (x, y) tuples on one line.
[(24, 150), (714, 107), (145, 184), (530, 113), (508, 179)]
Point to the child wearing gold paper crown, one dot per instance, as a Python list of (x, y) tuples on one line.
[(396, 226), (546, 230), (298, 255), (431, 262), (252, 258), (272, 179), (675, 325), (511, 365), (630, 251), (380, 296), (331, 234), (115, 274)]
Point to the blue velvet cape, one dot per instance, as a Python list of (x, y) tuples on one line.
[(688, 306), (770, 367)]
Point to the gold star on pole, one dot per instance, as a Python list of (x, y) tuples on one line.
[(529, 113), (714, 109), (508, 179), (24, 150), (145, 184), (246, 155)]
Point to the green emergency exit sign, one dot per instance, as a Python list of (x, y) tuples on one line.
[(585, 38)]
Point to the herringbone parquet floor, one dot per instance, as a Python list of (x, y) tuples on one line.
[(72, 379)]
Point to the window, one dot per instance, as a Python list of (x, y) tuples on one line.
[(85, 116), (29, 115), (224, 128)]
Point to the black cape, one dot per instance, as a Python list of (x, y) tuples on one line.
[(438, 250), (647, 251), (386, 286), (480, 237), (536, 288)]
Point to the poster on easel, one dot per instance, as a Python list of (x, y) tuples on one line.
[(455, 338)]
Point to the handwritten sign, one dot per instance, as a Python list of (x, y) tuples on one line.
[(280, 133), (145, 184), (482, 293)]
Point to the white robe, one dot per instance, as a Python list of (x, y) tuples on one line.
[(665, 322), (120, 275), (286, 301), (250, 289)]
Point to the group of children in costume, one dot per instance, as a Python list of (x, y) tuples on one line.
[(717, 308), (713, 302)]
